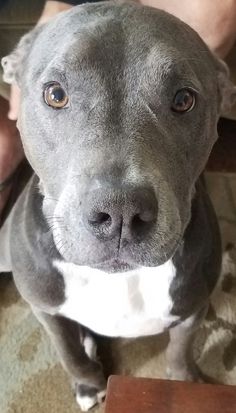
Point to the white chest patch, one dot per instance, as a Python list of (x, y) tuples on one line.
[(131, 304)]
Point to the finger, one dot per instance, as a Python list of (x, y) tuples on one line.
[(14, 102)]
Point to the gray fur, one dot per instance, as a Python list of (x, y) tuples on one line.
[(121, 66)]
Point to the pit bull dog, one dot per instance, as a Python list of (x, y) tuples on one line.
[(114, 233)]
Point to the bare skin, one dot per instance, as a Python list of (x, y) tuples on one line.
[(11, 152), (215, 21)]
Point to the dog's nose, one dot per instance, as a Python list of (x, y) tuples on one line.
[(129, 213)]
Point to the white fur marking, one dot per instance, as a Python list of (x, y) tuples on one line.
[(86, 402), (131, 304), (90, 347)]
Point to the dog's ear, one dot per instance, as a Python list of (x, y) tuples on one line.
[(13, 64), (227, 89)]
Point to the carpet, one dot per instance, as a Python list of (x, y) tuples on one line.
[(32, 380)]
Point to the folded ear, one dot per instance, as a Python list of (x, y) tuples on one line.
[(227, 89), (13, 64)]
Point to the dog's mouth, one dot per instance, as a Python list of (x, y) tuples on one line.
[(112, 259), (126, 262)]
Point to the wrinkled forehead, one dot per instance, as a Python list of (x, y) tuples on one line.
[(156, 65), (158, 60), (112, 43)]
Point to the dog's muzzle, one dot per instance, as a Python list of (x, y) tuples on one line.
[(127, 212)]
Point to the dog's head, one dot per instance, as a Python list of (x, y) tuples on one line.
[(119, 113)]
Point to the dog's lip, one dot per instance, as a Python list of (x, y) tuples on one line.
[(115, 266)]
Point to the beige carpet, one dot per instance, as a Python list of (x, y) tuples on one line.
[(32, 381)]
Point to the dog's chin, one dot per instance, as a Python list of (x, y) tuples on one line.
[(119, 266), (124, 261), (115, 266), (121, 258), (127, 263)]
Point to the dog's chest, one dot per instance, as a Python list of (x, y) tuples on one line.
[(132, 304)]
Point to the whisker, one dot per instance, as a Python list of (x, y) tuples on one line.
[(54, 226), (46, 198), (54, 219), (60, 244), (54, 222), (53, 216)]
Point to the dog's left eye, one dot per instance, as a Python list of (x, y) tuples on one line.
[(184, 101), (55, 96)]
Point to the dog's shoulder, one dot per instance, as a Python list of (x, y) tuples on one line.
[(31, 250), (198, 257)]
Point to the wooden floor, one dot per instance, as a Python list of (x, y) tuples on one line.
[(140, 395)]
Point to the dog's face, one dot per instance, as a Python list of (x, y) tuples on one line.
[(119, 112)]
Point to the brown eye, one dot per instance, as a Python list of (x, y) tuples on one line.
[(55, 96), (184, 101)]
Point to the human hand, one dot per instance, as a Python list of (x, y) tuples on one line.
[(215, 21)]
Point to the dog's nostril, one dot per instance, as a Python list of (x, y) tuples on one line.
[(140, 220), (103, 217), (100, 218), (142, 223), (137, 220)]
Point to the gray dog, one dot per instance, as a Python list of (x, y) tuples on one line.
[(115, 234)]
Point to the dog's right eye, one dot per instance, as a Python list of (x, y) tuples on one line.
[(184, 100), (55, 96)]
